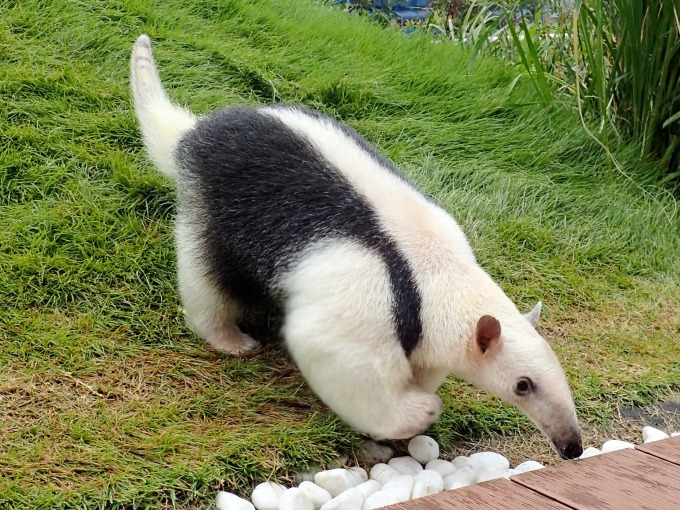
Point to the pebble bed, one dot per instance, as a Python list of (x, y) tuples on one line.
[(422, 473)]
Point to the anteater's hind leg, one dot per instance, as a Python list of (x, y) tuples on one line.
[(209, 312), (339, 329)]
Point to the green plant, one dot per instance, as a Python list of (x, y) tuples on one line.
[(631, 56), (619, 57)]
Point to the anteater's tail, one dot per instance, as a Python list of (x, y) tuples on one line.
[(162, 123)]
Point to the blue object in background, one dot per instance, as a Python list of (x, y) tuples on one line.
[(407, 10), (412, 10)]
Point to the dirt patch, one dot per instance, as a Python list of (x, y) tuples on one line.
[(664, 416)]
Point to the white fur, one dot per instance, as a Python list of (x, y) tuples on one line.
[(534, 314), (161, 121)]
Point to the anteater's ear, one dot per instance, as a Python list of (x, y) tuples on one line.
[(488, 333), (535, 314)]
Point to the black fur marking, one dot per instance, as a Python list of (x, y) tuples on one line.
[(144, 43), (142, 57), (265, 194)]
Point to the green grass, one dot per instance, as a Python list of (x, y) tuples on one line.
[(107, 401)]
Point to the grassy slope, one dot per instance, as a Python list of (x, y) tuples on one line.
[(105, 396)]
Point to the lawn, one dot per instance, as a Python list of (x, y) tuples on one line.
[(108, 401)]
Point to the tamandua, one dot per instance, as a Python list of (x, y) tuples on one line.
[(284, 209)]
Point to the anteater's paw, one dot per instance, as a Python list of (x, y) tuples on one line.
[(233, 341), (421, 410)]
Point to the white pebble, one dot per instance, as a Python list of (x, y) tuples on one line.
[(405, 465), (266, 496), (489, 460), (351, 499), (383, 473), (591, 451), (443, 467), (369, 487), (650, 434), (461, 462), (228, 501), (400, 486), (317, 495), (379, 499), (529, 465), (426, 483), (614, 444), (487, 474), (461, 478), (423, 449), (295, 499), (675, 434), (336, 481), (359, 474)]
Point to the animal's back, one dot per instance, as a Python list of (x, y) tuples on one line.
[(260, 194)]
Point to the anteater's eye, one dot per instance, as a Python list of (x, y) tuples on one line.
[(524, 386)]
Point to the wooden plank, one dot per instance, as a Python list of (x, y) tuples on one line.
[(667, 449), (623, 480), (498, 494)]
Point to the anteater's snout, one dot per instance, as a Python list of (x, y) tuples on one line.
[(571, 448)]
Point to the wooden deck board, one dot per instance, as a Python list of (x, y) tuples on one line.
[(644, 478), (623, 480), (491, 495), (668, 449)]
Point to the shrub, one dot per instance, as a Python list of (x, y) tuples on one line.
[(620, 58)]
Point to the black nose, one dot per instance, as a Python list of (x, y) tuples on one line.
[(571, 450)]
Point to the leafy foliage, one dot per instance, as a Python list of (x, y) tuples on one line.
[(620, 59)]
